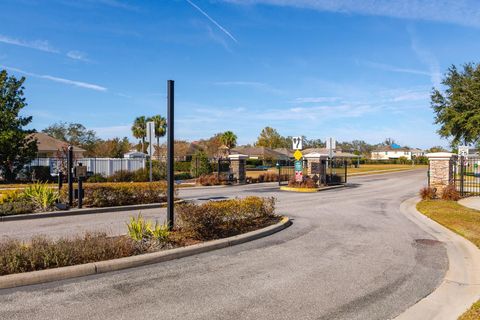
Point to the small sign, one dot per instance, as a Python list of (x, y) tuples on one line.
[(297, 143), (298, 176), (331, 144), (297, 155), (463, 151), (298, 166), (80, 172), (150, 137)]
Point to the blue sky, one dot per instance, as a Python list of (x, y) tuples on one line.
[(348, 69)]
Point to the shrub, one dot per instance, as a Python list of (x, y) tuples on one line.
[(306, 182), (182, 166), (428, 193), (200, 164), (42, 253), (41, 173), (16, 207), (143, 231), (183, 176), (208, 180), (41, 195), (122, 193), (97, 177), (451, 193), (218, 219)]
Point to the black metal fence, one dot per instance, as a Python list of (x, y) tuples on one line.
[(466, 173)]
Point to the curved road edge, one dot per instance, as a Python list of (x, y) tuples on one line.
[(63, 273), (461, 286)]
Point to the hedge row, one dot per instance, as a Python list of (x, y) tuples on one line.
[(121, 194)]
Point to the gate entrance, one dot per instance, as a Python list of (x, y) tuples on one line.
[(466, 172)]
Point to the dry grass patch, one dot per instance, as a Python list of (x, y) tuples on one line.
[(460, 219)]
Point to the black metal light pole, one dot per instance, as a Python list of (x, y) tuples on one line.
[(70, 175), (170, 153)]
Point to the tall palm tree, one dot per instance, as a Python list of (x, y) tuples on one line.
[(139, 130), (160, 128), (229, 139)]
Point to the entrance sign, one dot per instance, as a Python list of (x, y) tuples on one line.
[(297, 155), (297, 143), (315, 167), (298, 166), (298, 171)]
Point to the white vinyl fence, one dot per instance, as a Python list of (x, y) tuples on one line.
[(104, 166)]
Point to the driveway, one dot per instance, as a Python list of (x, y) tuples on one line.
[(350, 254)]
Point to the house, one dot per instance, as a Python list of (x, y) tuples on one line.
[(395, 152), (260, 153), (49, 147)]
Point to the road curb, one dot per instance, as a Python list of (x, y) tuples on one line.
[(43, 276), (461, 286), (308, 190), (76, 212)]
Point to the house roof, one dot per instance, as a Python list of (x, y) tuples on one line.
[(285, 151), (389, 148), (337, 153), (260, 152), (46, 143)]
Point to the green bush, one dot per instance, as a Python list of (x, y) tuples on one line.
[(42, 253), (218, 219), (41, 173), (41, 195), (182, 166), (200, 164), (16, 207), (120, 194), (146, 234), (183, 176), (97, 177)]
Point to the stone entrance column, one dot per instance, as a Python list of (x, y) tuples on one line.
[(237, 166), (441, 173), (313, 161)]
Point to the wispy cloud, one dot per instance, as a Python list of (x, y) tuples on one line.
[(462, 12), (316, 99), (252, 84), (212, 20), (426, 57), (77, 55), (80, 84), (41, 45), (387, 67)]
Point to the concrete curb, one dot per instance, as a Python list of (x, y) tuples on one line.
[(461, 286), (308, 190), (470, 202), (43, 276), (75, 212)]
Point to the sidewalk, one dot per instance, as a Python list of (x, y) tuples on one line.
[(470, 202)]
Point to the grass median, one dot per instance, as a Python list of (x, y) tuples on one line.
[(460, 219)]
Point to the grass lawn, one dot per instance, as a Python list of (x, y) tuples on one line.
[(460, 219), (364, 169)]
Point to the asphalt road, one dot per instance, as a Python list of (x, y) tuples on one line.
[(350, 254)]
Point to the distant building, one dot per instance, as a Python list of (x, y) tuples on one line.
[(260, 153), (395, 152), (49, 147)]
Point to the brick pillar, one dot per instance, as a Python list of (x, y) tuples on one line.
[(237, 166), (311, 159), (441, 172)]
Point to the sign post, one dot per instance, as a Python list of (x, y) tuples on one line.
[(297, 145), (150, 137), (170, 153)]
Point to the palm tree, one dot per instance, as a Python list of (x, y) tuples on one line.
[(160, 128), (139, 130), (229, 139)]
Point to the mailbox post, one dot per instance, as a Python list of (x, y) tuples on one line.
[(80, 174)]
